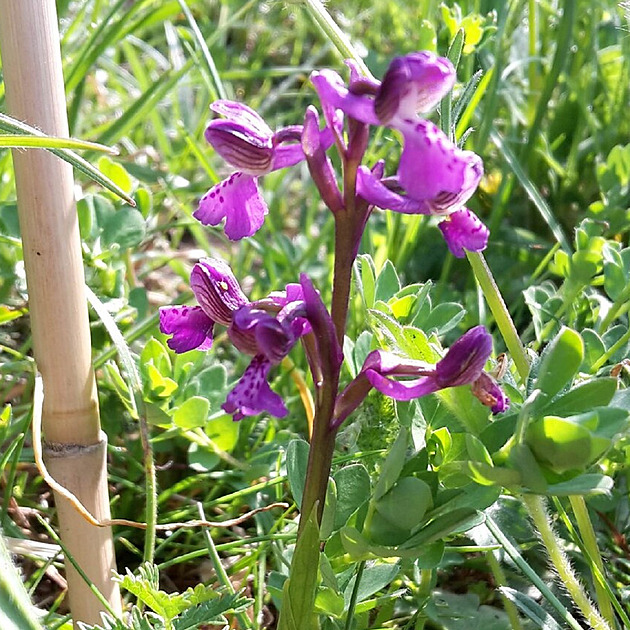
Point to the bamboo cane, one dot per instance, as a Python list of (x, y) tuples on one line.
[(75, 446)]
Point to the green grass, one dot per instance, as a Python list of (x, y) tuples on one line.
[(551, 106)]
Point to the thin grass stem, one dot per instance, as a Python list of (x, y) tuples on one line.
[(500, 311)]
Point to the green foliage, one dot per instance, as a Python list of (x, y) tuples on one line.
[(177, 611), (546, 96)]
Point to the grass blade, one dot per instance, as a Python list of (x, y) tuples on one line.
[(535, 579), (532, 191)]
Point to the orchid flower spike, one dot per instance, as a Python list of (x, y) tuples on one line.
[(245, 141), (434, 176), (462, 365)]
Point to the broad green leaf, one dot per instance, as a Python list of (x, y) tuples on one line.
[(406, 503), (223, 432), (115, 172), (202, 458), (365, 277), (588, 484), (297, 462), (376, 576), (154, 352), (327, 525), (126, 229), (146, 589), (415, 345), (353, 489), (387, 283), (595, 393), (560, 444), (329, 602), (425, 36), (487, 475), (594, 347), (157, 384), (444, 317), (393, 464), (560, 362), (457, 520), (191, 413)]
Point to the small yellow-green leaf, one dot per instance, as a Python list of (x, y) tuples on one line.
[(192, 413)]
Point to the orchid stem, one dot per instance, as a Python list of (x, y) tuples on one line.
[(500, 311)]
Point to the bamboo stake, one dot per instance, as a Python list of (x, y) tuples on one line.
[(76, 448)]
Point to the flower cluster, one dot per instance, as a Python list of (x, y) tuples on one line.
[(267, 329), (433, 177)]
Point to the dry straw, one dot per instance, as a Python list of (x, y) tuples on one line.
[(31, 60)]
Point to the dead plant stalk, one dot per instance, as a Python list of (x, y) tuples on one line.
[(75, 447)]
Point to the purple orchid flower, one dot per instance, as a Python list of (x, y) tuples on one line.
[(218, 294), (463, 364), (434, 176), (267, 329), (412, 84), (245, 141)]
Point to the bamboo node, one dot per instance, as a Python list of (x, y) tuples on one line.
[(57, 449)]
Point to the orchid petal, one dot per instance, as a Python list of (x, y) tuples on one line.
[(328, 347), (216, 289), (252, 394), (242, 114), (434, 170), (286, 155), (465, 359), (402, 390), (190, 326), (463, 230), (414, 83), (238, 200), (376, 193), (488, 392), (333, 92), (239, 147)]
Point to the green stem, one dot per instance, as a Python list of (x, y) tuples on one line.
[(620, 343), (151, 490), (354, 596), (513, 552), (219, 569), (342, 43), (532, 15), (500, 311), (585, 526), (619, 307), (567, 301), (501, 580), (535, 505)]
